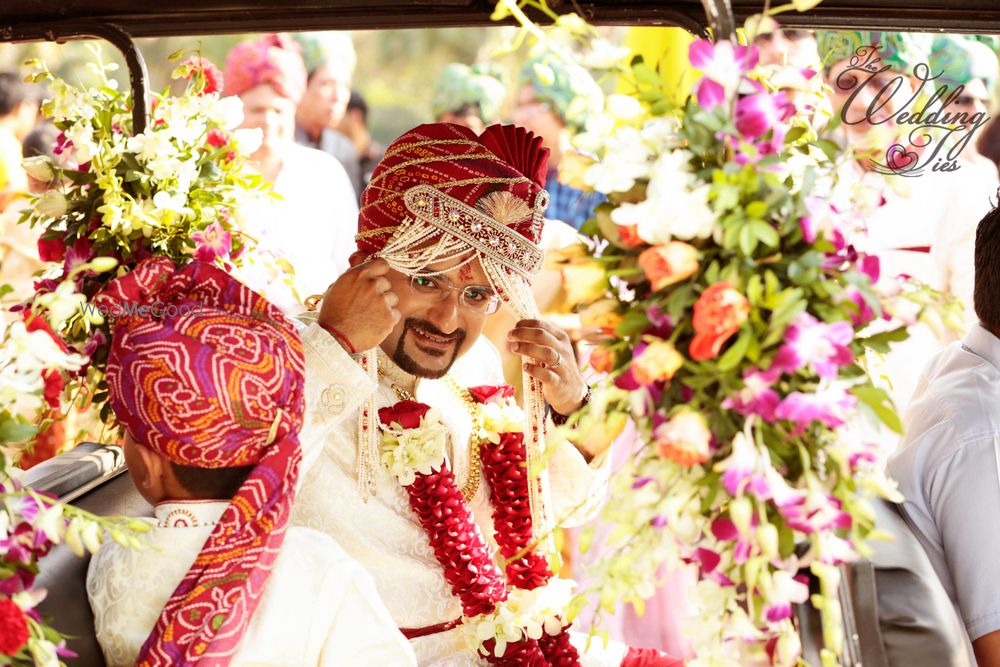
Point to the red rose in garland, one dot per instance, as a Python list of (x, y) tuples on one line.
[(405, 413), (13, 627)]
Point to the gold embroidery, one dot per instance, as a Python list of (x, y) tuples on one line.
[(434, 158)]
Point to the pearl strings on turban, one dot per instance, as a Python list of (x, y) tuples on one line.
[(209, 374), (443, 193), (274, 59)]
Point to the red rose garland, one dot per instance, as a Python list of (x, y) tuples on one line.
[(458, 544), (455, 538), (506, 474)]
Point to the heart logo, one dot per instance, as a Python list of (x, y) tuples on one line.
[(899, 159)]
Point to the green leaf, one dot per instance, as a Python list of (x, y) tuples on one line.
[(755, 289), (634, 322), (697, 382), (680, 301), (771, 284), (766, 233), (15, 431), (660, 108), (748, 240), (176, 55), (794, 135), (734, 355), (880, 342), (831, 149), (730, 237), (786, 540), (880, 403), (756, 209), (646, 75), (753, 350)]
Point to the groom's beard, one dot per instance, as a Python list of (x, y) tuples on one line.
[(440, 346)]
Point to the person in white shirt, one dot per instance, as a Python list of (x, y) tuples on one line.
[(948, 465), (308, 228), (211, 396)]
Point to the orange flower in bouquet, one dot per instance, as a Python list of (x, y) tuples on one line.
[(684, 439), (669, 263), (718, 314)]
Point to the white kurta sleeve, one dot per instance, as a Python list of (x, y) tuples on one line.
[(361, 631), (578, 489), (335, 387)]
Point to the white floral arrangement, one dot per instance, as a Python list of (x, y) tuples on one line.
[(495, 418), (408, 451), (525, 614)]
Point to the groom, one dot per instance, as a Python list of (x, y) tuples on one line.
[(448, 231)]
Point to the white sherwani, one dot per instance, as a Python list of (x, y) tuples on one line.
[(383, 534), (319, 606)]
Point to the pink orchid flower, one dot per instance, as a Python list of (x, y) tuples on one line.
[(817, 345), (830, 407), (784, 591), (756, 397), (213, 242), (723, 65), (760, 112)]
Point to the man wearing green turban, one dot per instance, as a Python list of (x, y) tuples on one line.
[(329, 59), (555, 99), (468, 96), (960, 61)]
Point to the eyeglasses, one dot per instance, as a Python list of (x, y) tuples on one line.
[(477, 298)]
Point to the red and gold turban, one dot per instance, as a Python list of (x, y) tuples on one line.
[(273, 59), (209, 374), (443, 194), (486, 191)]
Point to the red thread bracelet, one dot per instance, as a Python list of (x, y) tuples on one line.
[(339, 336)]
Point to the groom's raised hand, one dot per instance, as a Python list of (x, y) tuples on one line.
[(360, 305)]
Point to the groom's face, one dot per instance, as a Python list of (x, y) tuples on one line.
[(432, 331)]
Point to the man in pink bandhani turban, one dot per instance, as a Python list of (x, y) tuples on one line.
[(206, 377), (448, 231), (311, 225)]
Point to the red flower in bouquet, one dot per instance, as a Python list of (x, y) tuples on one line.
[(51, 249), (489, 394), (405, 413), (217, 138), (211, 73), (718, 314), (630, 236), (13, 627), (35, 322), (669, 263)]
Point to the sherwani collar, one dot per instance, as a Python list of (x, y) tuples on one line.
[(189, 513)]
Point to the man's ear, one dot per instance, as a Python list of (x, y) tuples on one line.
[(151, 476), (357, 257)]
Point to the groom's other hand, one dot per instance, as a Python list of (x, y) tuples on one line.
[(361, 306)]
